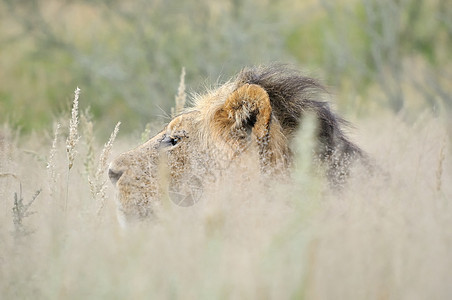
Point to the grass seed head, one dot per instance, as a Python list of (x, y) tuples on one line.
[(73, 137)]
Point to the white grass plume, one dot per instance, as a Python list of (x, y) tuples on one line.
[(73, 137), (51, 169), (72, 140), (88, 135), (98, 184)]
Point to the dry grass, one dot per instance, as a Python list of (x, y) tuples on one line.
[(73, 138), (181, 96), (382, 237), (51, 172), (98, 184)]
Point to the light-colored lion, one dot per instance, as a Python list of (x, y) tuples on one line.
[(254, 116)]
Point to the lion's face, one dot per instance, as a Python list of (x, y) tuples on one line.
[(169, 164), (193, 149)]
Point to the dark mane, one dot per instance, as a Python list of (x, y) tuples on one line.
[(292, 95)]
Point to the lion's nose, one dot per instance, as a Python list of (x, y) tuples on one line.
[(114, 175)]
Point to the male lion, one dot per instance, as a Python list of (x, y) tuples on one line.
[(253, 116)]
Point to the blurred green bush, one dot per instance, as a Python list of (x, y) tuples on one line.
[(127, 56)]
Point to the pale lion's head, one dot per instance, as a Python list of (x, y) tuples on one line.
[(254, 117)]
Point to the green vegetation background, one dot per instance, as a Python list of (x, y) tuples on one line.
[(126, 56)]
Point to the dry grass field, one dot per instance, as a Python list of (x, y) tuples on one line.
[(384, 236)]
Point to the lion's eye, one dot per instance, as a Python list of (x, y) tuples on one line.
[(169, 141), (174, 140)]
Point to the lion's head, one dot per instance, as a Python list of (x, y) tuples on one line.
[(252, 117)]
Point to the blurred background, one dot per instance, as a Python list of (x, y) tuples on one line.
[(376, 56)]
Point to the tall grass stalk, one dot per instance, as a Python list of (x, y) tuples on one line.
[(98, 184), (163, 175), (306, 173), (439, 169), (72, 140), (181, 96), (88, 135), (51, 168)]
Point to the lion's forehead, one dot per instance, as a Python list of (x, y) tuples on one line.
[(185, 121)]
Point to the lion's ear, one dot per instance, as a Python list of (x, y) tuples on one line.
[(248, 107)]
